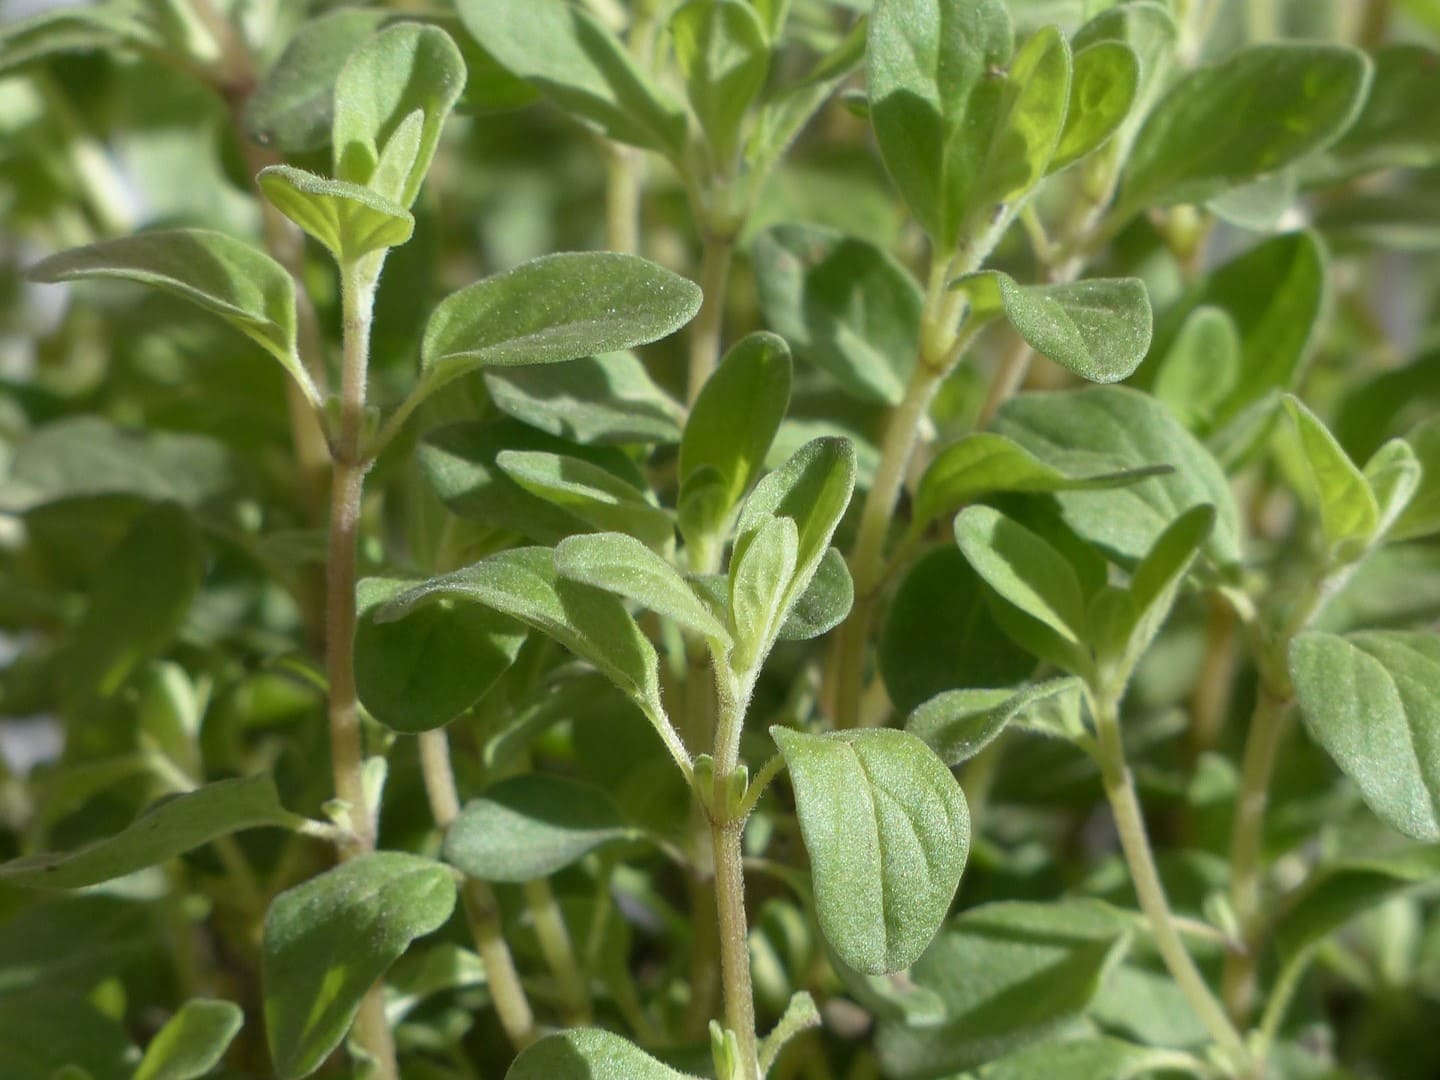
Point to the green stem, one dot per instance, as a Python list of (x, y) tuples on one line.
[(482, 909), (1130, 824), (558, 950), (706, 330)]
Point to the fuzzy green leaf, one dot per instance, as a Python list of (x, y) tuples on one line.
[(1372, 700), (734, 420), (1393, 474), (1201, 367), (760, 574), (164, 830), (1421, 516), (1098, 328), (348, 219), (589, 1054), (391, 100), (624, 566), (1088, 1058), (590, 493), (1103, 86), (1349, 514), (530, 827), (843, 304), (554, 308), (1191, 147), (523, 584), (599, 400), (581, 66), (294, 106), (984, 464), (327, 941), (420, 672), (958, 724), (1115, 428), (192, 1042), (824, 603), (723, 53), (888, 833), (241, 284)]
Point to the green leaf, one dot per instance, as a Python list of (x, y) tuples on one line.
[(1099, 328), (47, 1037), (523, 584), (1023, 569), (244, 286), (604, 400), (824, 603), (1392, 130), (1370, 700), (888, 832), (581, 66), (1191, 149), (424, 972), (734, 420), (933, 99), (1103, 85), (71, 943), (723, 52), (294, 106), (940, 633), (138, 601), (530, 827), (93, 28), (624, 566), (1088, 1058), (192, 1042), (1151, 33), (1201, 367), (590, 493), (800, 1015), (1029, 972), (985, 464), (391, 100), (329, 939), (813, 487), (958, 724), (760, 574), (1336, 891), (1349, 514), (420, 672), (86, 456), (843, 304), (1421, 516), (1393, 475), (1109, 429), (589, 1054), (554, 308), (349, 220), (164, 830)]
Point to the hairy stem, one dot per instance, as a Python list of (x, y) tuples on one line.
[(706, 330), (482, 910), (1130, 824)]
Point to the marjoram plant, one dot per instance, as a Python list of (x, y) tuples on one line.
[(846, 614)]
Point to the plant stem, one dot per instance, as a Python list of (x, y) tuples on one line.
[(558, 950), (1130, 824), (482, 910), (1210, 704), (622, 199), (706, 330)]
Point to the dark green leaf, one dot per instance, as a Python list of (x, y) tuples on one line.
[(348, 219), (168, 828), (824, 603), (41, 1035), (1371, 701), (985, 464), (1191, 148), (734, 420), (294, 105), (241, 284), (531, 826), (329, 939), (192, 1042), (422, 671), (1098, 328), (1109, 429), (580, 65), (589, 1054), (888, 832), (723, 52), (391, 100), (844, 304)]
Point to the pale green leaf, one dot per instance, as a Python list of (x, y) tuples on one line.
[(164, 830), (958, 724), (1201, 367), (1023, 569), (825, 602), (1103, 86), (1422, 515), (1091, 1058), (601, 400), (1349, 514), (1393, 474), (589, 1054), (723, 52), (591, 493), (761, 571), (327, 941), (192, 1042), (348, 219), (1393, 130), (888, 832), (70, 29), (1370, 699)]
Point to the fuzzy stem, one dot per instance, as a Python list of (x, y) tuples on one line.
[(482, 910), (1130, 824), (707, 329)]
